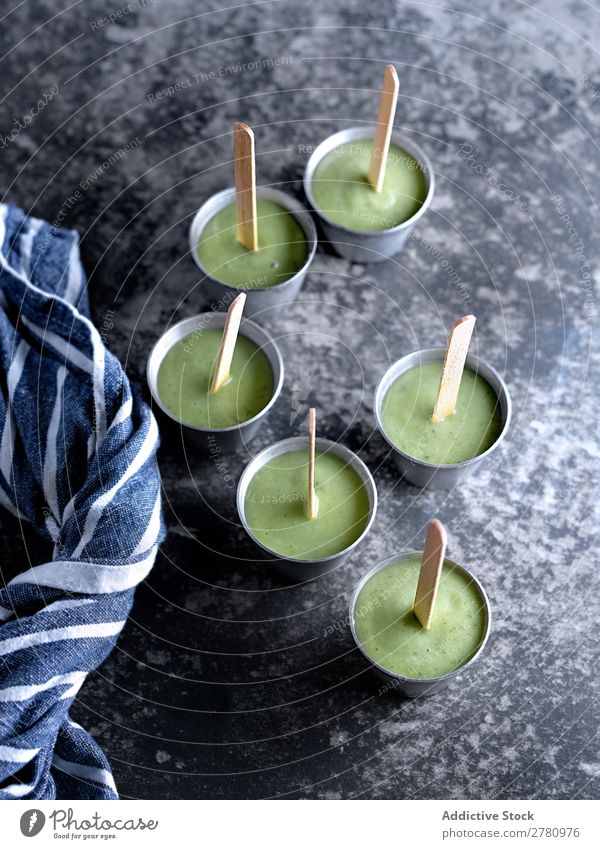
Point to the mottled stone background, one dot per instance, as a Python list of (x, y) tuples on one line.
[(224, 683)]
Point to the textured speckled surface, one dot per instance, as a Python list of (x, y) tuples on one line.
[(227, 682)]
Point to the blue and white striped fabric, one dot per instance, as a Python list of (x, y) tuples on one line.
[(77, 461)]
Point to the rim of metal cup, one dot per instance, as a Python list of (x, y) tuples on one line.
[(214, 320), (296, 443), (403, 556), (430, 355), (358, 134), (225, 197)]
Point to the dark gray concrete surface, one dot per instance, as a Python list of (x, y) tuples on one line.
[(227, 682)]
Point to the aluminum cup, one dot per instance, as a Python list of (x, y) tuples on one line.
[(413, 688), (304, 570), (221, 294), (356, 245), (419, 472), (226, 439)]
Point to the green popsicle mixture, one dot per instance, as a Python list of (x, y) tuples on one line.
[(343, 193), (184, 380), (282, 248), (276, 502), (408, 406), (392, 636)]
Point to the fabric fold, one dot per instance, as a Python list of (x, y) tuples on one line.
[(77, 462)]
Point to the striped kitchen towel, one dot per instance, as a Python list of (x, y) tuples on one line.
[(77, 461)]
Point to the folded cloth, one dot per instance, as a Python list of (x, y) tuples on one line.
[(77, 461)]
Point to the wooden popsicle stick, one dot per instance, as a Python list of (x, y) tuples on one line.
[(431, 571), (453, 367), (383, 132), (312, 502), (222, 366), (245, 186)]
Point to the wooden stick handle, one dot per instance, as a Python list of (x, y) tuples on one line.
[(222, 367), (312, 502), (431, 571), (453, 367), (245, 186), (383, 132)]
